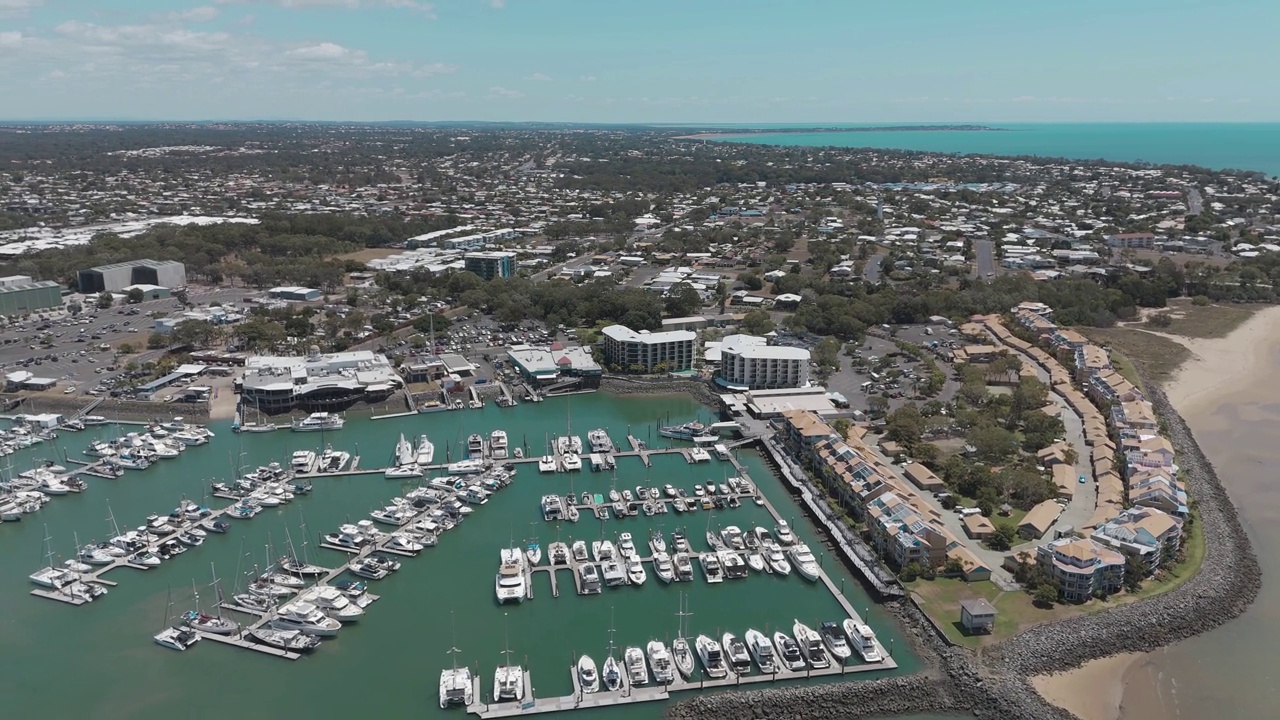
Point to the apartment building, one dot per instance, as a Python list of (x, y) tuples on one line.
[(1081, 567), (1146, 533), (490, 265), (748, 362), (649, 352)]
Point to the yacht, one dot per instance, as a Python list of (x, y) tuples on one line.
[(734, 566), (833, 635), (660, 660), (761, 651), (533, 551), (294, 566), (177, 638), (509, 584), (694, 431), (426, 451), (599, 441), (369, 570), (466, 467), (508, 684), (732, 537), (783, 531), (404, 452), (456, 688), (291, 640), (216, 526), (402, 472), (547, 464), (575, 444), (657, 543), (626, 545), (319, 421), (612, 675), (683, 567), (558, 553), (403, 544), (863, 640), (805, 563), (613, 573), (663, 568), (590, 578), (475, 446), (348, 536), (98, 554), (303, 461), (209, 623), (776, 560), (588, 676), (755, 561), (712, 657), (739, 656), (53, 577), (637, 670), (579, 550), (498, 445), (635, 570), (572, 462), (305, 617), (682, 656), (811, 645), (189, 437), (602, 550), (789, 654)]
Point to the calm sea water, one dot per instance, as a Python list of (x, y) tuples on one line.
[(98, 660), (1248, 146)]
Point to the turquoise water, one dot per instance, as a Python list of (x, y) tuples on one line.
[(1247, 146), (99, 661)]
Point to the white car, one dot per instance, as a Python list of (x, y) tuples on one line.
[(69, 390)]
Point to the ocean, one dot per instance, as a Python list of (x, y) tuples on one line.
[(99, 661), (1246, 146)]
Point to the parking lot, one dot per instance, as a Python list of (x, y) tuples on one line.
[(886, 371)]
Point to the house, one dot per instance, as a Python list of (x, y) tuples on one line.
[(923, 478), (978, 527), (977, 615), (1081, 567), (1146, 533), (1038, 520), (1055, 454), (1064, 479)]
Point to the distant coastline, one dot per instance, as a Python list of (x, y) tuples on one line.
[(720, 134)]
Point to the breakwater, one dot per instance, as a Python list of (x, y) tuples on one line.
[(693, 387)]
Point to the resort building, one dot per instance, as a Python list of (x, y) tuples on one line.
[(648, 352), (1081, 568), (118, 277), (1143, 532), (748, 362), (490, 265), (317, 382)]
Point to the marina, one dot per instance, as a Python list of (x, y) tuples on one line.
[(569, 624)]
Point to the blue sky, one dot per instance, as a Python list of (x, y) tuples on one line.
[(696, 61)]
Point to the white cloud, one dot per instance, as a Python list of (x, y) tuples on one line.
[(18, 7), (10, 39), (501, 92), (538, 77), (425, 7), (326, 52), (199, 14)]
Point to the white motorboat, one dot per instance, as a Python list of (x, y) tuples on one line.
[(578, 550), (509, 584), (738, 655), (863, 640), (144, 559), (834, 637), (755, 561), (683, 566), (303, 461), (305, 617), (712, 657), (635, 570), (783, 531), (316, 422), (734, 566), (475, 446), (603, 550), (613, 572), (637, 670), (811, 646), (546, 464), (612, 675), (657, 543), (588, 676), (425, 451), (188, 437), (177, 638), (776, 559), (466, 467), (804, 562), (456, 688), (572, 463), (98, 554), (291, 640), (508, 684), (402, 472), (660, 661), (789, 654), (711, 568), (626, 545), (402, 543), (498, 445), (590, 578), (599, 441), (663, 568), (761, 651)]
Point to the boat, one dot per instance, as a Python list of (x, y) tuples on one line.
[(613, 572), (603, 550), (761, 651), (96, 554), (626, 544), (369, 570), (509, 583), (590, 578), (475, 446), (789, 654), (588, 676), (558, 553), (51, 576), (755, 561), (660, 661), (732, 537), (533, 551), (404, 452), (319, 421), (804, 562), (425, 452), (612, 675), (683, 567), (547, 464), (305, 617), (290, 640), (498, 445), (834, 637), (572, 463), (663, 568), (466, 467), (210, 623), (776, 560), (635, 570), (599, 441), (456, 687), (657, 543), (712, 657), (402, 472), (736, 650), (734, 566), (303, 461), (783, 531), (863, 640), (404, 544), (144, 559), (692, 431), (637, 670), (177, 638), (698, 455), (811, 645)]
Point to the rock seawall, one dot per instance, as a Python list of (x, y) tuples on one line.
[(699, 389)]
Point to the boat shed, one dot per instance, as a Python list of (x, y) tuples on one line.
[(149, 390)]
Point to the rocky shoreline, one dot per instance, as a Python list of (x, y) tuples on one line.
[(696, 388), (995, 685)]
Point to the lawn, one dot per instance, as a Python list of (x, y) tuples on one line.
[(1015, 612), (368, 254), (1157, 356), (1180, 573), (1207, 321)]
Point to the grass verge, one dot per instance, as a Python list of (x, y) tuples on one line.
[(1158, 357)]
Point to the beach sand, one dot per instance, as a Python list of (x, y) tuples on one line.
[(1091, 692), (1220, 365)]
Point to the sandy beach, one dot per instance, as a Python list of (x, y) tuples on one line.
[(1219, 365), (1091, 692)]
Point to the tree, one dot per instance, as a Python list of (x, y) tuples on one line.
[(682, 300), (905, 426), (136, 296), (1134, 572), (182, 297), (953, 566), (757, 322), (156, 340), (126, 348), (876, 405), (1046, 595), (721, 295), (927, 453), (1004, 537), (841, 426), (74, 307), (105, 300)]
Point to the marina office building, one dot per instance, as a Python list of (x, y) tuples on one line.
[(121, 276), (748, 362), (317, 382), (627, 348)]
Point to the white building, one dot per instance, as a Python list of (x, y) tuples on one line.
[(626, 348), (748, 362), (317, 382)]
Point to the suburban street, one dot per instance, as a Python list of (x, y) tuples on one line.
[(872, 272), (985, 263), (1195, 203)]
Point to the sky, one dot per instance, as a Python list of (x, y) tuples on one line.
[(641, 61)]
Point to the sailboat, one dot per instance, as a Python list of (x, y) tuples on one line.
[(50, 576), (456, 687), (291, 564), (198, 620), (508, 680), (175, 637), (681, 653), (533, 550), (612, 675)]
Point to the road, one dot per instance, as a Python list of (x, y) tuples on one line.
[(871, 273), (985, 264), (1195, 203)]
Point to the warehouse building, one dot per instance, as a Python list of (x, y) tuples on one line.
[(294, 294), (119, 276), (20, 294)]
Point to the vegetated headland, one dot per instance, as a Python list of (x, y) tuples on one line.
[(732, 132)]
